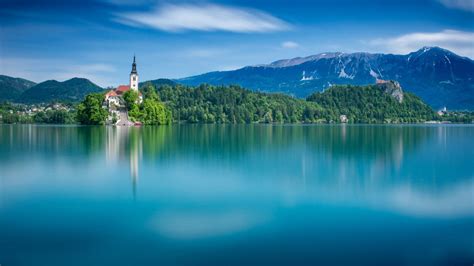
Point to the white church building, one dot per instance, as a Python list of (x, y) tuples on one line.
[(113, 98)]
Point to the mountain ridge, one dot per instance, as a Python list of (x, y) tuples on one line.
[(438, 76), (12, 87), (71, 90)]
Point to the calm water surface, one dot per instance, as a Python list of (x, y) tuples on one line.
[(237, 195)]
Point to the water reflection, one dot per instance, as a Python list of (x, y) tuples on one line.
[(124, 144), (254, 194), (347, 161)]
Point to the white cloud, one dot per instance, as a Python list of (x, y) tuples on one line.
[(460, 42), (204, 17), (289, 44), (467, 5)]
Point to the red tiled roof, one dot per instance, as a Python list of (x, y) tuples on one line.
[(110, 94), (122, 88)]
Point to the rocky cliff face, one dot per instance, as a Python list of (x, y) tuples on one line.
[(391, 88)]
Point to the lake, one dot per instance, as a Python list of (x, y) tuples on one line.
[(237, 195)]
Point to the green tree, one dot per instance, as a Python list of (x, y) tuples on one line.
[(149, 92), (131, 99), (155, 113), (90, 111), (134, 113)]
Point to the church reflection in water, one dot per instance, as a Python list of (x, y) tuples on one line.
[(124, 145)]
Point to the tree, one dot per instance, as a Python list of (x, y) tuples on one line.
[(54, 117), (149, 92), (131, 98), (90, 111), (134, 113), (155, 113)]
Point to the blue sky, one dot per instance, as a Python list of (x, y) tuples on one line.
[(96, 39)]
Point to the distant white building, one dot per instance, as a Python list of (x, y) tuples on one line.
[(343, 118), (443, 111)]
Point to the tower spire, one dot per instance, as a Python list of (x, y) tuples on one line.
[(134, 66), (134, 76)]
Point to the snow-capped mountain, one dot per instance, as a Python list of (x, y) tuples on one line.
[(439, 76)]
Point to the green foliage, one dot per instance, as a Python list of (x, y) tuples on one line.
[(14, 114), (232, 104), (11, 88), (369, 104), (149, 92), (459, 117), (90, 111), (131, 99), (16, 118), (151, 111), (155, 113), (54, 117), (134, 113)]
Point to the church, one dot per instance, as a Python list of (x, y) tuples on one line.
[(113, 99)]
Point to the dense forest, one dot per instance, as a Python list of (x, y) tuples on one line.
[(151, 111), (232, 104), (370, 104), (174, 103)]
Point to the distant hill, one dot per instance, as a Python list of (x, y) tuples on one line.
[(438, 76), (11, 88), (380, 103), (72, 90), (158, 82)]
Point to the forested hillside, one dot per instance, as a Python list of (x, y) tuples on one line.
[(232, 104), (371, 104)]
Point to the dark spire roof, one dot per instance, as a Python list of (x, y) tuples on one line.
[(134, 66)]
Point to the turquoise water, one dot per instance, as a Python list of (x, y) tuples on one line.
[(237, 195)]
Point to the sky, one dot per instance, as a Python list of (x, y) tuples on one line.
[(96, 39)]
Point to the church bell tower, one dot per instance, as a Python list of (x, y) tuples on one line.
[(134, 76)]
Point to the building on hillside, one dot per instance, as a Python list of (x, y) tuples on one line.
[(343, 118), (113, 99), (443, 111)]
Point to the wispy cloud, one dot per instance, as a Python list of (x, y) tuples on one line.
[(290, 44), (204, 17), (460, 42), (467, 5)]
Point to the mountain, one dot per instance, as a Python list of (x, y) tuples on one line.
[(438, 76), (72, 90), (11, 88)]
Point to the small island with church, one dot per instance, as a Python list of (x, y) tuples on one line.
[(117, 100), (125, 105)]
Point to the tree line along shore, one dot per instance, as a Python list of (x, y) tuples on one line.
[(167, 104)]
